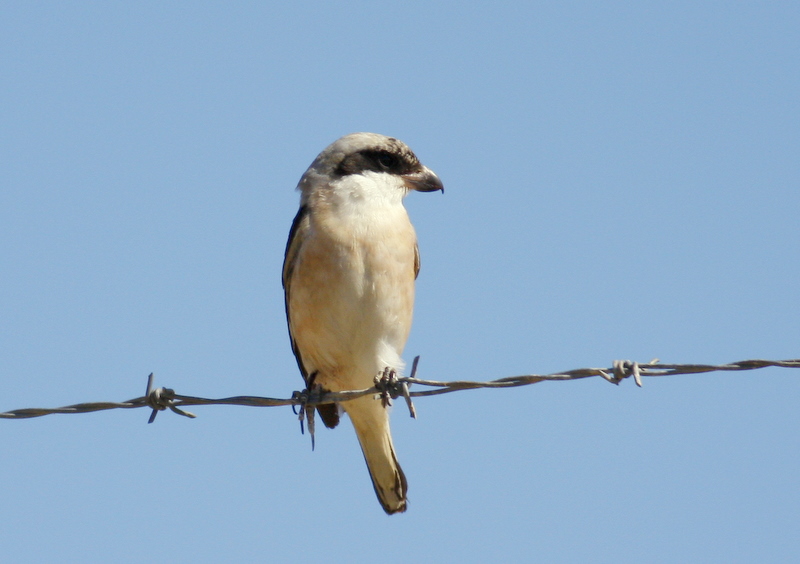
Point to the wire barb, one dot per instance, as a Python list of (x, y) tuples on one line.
[(405, 386), (162, 398), (625, 368)]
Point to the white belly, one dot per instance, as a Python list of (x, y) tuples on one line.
[(352, 297)]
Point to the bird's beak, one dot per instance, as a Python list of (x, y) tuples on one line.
[(423, 180)]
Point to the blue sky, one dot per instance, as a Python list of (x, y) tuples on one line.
[(622, 181)]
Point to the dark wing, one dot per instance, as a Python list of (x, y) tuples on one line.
[(416, 260), (299, 227), (328, 412)]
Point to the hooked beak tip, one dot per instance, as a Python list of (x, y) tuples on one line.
[(424, 180)]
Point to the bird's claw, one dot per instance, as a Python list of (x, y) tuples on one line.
[(390, 386), (306, 411), (387, 384)]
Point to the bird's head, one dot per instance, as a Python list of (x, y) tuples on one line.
[(362, 159)]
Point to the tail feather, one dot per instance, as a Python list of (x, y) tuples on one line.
[(371, 422)]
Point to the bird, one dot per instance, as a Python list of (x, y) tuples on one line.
[(348, 276)]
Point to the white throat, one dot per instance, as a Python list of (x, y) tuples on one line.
[(357, 192)]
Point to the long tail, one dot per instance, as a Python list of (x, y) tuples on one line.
[(371, 422)]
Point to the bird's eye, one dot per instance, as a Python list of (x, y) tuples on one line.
[(386, 160)]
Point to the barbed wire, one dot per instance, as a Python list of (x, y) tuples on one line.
[(388, 386)]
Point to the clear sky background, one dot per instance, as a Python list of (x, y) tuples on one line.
[(622, 181)]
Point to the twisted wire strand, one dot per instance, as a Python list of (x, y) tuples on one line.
[(388, 387)]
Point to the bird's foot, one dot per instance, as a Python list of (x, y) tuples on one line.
[(387, 382), (306, 402), (390, 386)]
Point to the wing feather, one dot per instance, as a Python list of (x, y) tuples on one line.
[(329, 413), (296, 237)]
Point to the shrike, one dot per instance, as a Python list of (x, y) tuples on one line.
[(348, 278)]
